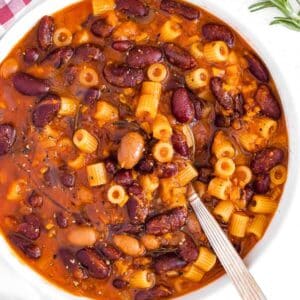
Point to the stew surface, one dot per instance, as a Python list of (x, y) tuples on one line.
[(108, 111)]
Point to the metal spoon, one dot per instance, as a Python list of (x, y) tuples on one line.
[(227, 255)]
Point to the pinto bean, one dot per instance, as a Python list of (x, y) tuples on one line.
[(101, 29), (218, 32), (61, 220), (146, 165), (119, 283), (123, 76), (35, 200), (58, 57), (180, 144), (261, 184), (168, 221), (266, 159), (124, 177), (166, 170), (122, 46), (45, 32), (223, 97), (89, 52), (267, 102), (95, 265), (130, 150), (31, 55), (72, 264), (168, 262), (134, 8), (82, 236), (182, 107), (67, 179), (137, 210), (8, 137), (257, 68), (188, 250), (143, 56), (109, 251), (179, 57), (45, 111), (92, 96), (184, 10), (128, 245), (29, 85)]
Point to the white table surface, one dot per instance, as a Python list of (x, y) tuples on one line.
[(281, 277)]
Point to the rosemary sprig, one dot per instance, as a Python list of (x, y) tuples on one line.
[(290, 18)]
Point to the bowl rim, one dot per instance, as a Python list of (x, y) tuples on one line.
[(29, 19)]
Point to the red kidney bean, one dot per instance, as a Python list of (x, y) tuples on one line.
[(179, 57), (198, 107), (166, 170), (223, 97), (157, 292), (124, 177), (123, 76), (174, 81), (35, 200), (111, 166), (92, 96), (168, 221), (143, 56), (33, 220), (45, 111), (248, 193), (95, 265), (182, 9), (28, 248), (69, 75), (72, 264), (135, 190), (29, 85), (109, 251), (127, 228), (31, 55), (168, 262), (8, 137), (217, 32), (257, 68), (266, 159), (119, 283), (31, 227), (182, 106), (50, 177), (137, 209), (188, 250), (45, 32), (267, 102), (238, 105), (134, 8), (205, 174), (58, 57), (180, 144), (261, 184), (61, 220), (122, 46), (89, 52), (101, 29), (67, 179), (145, 165), (222, 121)]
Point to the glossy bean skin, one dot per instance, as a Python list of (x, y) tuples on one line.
[(35, 200), (29, 85), (261, 184), (31, 227), (217, 32), (179, 57), (157, 292), (146, 165), (266, 159), (223, 97), (122, 46), (88, 52), (179, 144), (137, 209), (58, 57), (82, 236), (169, 221), (109, 251), (188, 250), (124, 177), (130, 150), (101, 29), (123, 76), (91, 96), (182, 106), (8, 137), (168, 262), (95, 265), (129, 245), (166, 170), (142, 56), (257, 68), (267, 102), (31, 55), (132, 7), (45, 32), (182, 9)]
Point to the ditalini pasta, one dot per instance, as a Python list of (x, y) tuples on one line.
[(110, 111)]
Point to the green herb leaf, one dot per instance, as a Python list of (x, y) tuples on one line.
[(290, 18)]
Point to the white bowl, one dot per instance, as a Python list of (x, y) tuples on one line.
[(255, 259)]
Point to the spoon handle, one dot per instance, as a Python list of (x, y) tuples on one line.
[(229, 258)]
